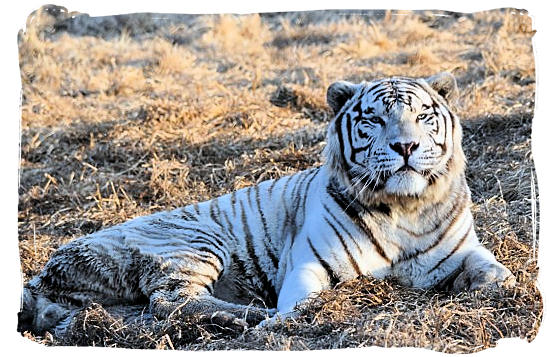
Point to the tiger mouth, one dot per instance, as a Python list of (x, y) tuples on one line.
[(406, 168)]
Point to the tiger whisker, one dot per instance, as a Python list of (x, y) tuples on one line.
[(357, 180), (360, 179)]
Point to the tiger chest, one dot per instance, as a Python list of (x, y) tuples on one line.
[(415, 256)]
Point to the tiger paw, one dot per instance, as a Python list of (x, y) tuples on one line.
[(482, 276), (269, 322), (228, 320), (276, 319)]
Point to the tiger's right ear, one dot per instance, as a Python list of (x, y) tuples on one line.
[(338, 93), (445, 85)]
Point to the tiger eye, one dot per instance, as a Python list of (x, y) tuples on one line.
[(421, 116), (377, 120)]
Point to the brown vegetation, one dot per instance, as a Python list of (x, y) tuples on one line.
[(150, 116)]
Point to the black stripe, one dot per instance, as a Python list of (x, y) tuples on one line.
[(283, 200), (200, 240), (210, 251), (362, 135), (233, 203), (215, 217), (457, 246), (382, 208), (196, 256), (439, 113), (220, 244), (338, 125), (343, 227), (239, 264), (270, 254), (196, 207), (229, 228), (346, 249), (272, 257), (354, 215), (377, 85), (271, 298), (461, 207), (190, 253), (208, 234), (296, 201), (188, 216), (350, 140), (270, 189), (293, 194), (306, 191), (383, 93), (410, 92), (204, 285), (300, 194), (458, 205), (345, 200), (358, 108), (384, 89), (163, 224), (205, 261), (333, 279)]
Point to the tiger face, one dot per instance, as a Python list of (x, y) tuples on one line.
[(396, 135)]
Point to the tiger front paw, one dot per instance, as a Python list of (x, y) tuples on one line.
[(489, 275), (276, 319)]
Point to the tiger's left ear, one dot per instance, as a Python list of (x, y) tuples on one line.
[(444, 84), (338, 93)]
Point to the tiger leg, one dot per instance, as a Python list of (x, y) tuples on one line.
[(480, 269), (181, 296), (167, 304), (181, 289), (299, 285), (78, 273)]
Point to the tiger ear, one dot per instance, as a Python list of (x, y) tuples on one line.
[(338, 93), (444, 84)]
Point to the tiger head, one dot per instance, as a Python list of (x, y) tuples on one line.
[(394, 137)]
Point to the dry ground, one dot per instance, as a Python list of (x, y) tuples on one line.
[(127, 116)]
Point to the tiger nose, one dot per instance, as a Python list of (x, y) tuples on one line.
[(404, 149)]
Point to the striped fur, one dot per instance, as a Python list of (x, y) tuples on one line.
[(390, 201)]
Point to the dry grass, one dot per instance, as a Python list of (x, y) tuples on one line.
[(149, 117)]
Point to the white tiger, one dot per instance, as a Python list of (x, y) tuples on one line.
[(391, 200)]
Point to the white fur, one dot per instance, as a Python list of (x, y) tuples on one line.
[(406, 183)]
